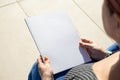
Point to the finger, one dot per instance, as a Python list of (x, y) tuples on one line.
[(86, 40), (81, 43), (46, 59), (86, 45), (39, 60)]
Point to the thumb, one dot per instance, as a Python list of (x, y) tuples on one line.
[(46, 59), (85, 45)]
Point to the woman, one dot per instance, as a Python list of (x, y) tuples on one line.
[(105, 69)]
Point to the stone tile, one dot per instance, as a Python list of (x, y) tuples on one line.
[(17, 49), (5, 2), (19, 0), (82, 22), (37, 7), (87, 29), (93, 9)]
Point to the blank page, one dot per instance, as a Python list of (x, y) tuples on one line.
[(57, 38)]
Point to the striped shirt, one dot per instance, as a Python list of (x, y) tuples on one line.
[(81, 72)]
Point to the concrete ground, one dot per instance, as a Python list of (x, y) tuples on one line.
[(17, 48)]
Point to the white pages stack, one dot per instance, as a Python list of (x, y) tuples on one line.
[(56, 37)]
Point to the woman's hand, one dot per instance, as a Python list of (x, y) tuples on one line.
[(45, 69), (93, 49)]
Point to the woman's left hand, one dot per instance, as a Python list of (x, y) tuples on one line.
[(93, 49)]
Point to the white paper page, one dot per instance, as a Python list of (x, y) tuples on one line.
[(57, 38)]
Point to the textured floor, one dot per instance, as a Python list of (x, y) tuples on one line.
[(17, 49)]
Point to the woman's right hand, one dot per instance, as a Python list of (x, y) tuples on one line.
[(93, 49), (45, 69)]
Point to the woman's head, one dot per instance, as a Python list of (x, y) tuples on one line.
[(111, 18)]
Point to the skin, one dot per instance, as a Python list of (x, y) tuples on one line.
[(111, 22), (109, 68), (45, 70), (93, 49), (105, 69)]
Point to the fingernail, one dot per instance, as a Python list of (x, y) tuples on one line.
[(81, 44)]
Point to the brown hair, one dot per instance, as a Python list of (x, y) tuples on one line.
[(114, 5)]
